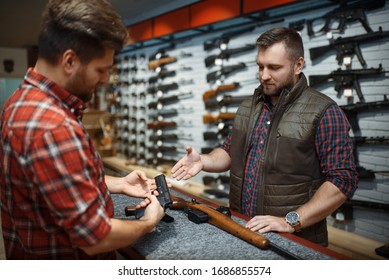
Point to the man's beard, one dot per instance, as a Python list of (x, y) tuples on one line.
[(78, 86), (276, 90)]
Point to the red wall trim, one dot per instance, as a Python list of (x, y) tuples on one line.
[(171, 22), (250, 6), (210, 11), (140, 32), (195, 15)]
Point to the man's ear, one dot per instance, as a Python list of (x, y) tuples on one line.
[(70, 61), (299, 65)]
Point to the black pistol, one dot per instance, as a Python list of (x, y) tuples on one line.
[(163, 197)]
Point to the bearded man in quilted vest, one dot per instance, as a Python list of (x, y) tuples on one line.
[(289, 152)]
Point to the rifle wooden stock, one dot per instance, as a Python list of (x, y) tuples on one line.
[(160, 124), (223, 222), (209, 118), (159, 62), (211, 93)]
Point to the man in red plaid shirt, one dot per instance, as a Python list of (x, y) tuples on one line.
[(55, 197)]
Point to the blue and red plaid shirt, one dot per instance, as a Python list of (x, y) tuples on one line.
[(53, 193), (332, 147)]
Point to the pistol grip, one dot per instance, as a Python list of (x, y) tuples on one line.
[(132, 211), (163, 192)]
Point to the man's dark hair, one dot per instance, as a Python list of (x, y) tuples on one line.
[(289, 37), (85, 26)]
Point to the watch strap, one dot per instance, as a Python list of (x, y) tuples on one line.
[(297, 226)]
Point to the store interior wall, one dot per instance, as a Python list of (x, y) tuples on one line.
[(370, 223)]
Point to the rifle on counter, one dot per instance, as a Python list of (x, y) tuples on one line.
[(153, 64), (347, 46), (169, 100), (346, 79), (200, 213), (227, 100), (224, 71), (225, 54), (225, 38), (349, 11), (360, 140), (216, 217), (221, 218), (351, 111), (209, 118), (162, 75)]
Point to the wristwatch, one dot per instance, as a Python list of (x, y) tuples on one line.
[(293, 219)]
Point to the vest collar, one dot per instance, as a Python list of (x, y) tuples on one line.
[(287, 96)]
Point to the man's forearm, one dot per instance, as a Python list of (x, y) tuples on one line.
[(216, 161), (325, 201), (113, 183), (123, 233)]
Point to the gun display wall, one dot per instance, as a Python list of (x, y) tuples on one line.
[(186, 92)]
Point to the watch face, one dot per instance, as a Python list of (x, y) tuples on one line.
[(292, 217)]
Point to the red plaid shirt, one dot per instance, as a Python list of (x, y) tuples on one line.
[(53, 194)]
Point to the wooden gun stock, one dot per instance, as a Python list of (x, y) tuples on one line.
[(209, 118), (159, 62), (160, 124), (223, 222), (211, 93)]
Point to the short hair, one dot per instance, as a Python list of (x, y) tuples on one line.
[(289, 37), (85, 26)]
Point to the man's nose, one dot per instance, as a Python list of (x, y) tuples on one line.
[(265, 74)]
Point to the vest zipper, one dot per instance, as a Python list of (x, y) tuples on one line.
[(275, 119)]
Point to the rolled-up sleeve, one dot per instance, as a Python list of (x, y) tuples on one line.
[(335, 151), (69, 180)]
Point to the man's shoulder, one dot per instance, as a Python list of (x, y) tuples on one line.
[(313, 93), (31, 109)]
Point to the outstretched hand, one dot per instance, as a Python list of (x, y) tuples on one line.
[(136, 184), (188, 166)]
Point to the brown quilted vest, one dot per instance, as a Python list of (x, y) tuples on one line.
[(290, 171)]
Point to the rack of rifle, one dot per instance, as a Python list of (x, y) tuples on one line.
[(149, 128), (160, 116)]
